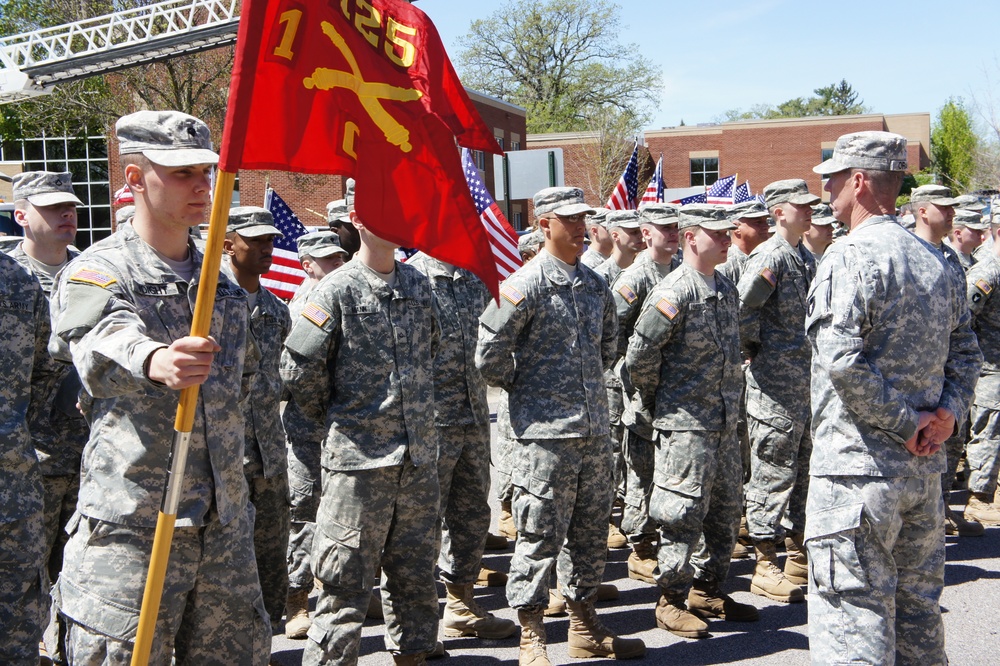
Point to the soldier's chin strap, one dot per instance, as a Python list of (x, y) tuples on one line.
[(183, 424)]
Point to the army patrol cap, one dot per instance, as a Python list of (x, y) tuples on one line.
[(625, 219), (600, 216), (877, 151), (706, 216), (969, 218), (747, 209), (319, 244), (336, 211), (969, 202), (124, 214), (822, 215), (793, 190), (531, 241), (252, 222), (564, 201), (660, 214), (167, 138), (939, 195), (44, 188)]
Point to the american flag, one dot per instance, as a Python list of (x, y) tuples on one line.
[(694, 198), (654, 191), (721, 192), (760, 198), (503, 238), (124, 195), (627, 190), (286, 272), (742, 193)]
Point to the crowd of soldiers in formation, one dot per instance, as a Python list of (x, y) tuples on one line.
[(681, 367)]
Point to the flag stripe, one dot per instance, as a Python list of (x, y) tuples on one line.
[(627, 190), (286, 273), (502, 237)]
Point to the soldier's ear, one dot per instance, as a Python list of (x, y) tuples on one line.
[(135, 178)]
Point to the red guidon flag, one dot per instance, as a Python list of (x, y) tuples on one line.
[(364, 89)]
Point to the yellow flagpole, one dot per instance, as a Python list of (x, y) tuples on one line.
[(183, 424)]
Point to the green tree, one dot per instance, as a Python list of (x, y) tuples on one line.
[(954, 146), (836, 99), (562, 61)]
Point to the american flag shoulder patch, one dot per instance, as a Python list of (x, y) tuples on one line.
[(668, 309), (627, 294), (513, 295), (983, 286), (315, 314), (768, 275), (90, 276)]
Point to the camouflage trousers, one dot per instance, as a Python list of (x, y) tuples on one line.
[(616, 406), (211, 612), (386, 516), (876, 570), (504, 450), (696, 499), (23, 610), (464, 475), (779, 475), (270, 540), (639, 454), (61, 493), (954, 447), (983, 451), (303, 494), (562, 502)]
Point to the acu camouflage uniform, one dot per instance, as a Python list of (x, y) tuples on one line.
[(889, 338), (983, 451), (117, 304), (23, 612), (609, 272), (359, 361), (548, 344), (736, 261), (684, 361)]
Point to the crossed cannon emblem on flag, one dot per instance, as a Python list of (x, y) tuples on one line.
[(369, 94)]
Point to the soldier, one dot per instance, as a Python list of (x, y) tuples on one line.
[(249, 244), (684, 360), (462, 421), (319, 253), (600, 240), (529, 243), (547, 344), (892, 368), (773, 307), (659, 231), (820, 233), (966, 236), (752, 228), (359, 361), (338, 217), (121, 313), (623, 225), (23, 611)]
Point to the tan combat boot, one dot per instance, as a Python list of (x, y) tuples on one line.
[(707, 601), (673, 615), (589, 638), (490, 578), (740, 552), (642, 561), (297, 614), (464, 617), (557, 604), (531, 651), (615, 537), (409, 659), (982, 509), (505, 526), (796, 561), (956, 524), (769, 581)]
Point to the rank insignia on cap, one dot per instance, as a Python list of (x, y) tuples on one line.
[(668, 309), (316, 314), (513, 295), (627, 294), (768, 275), (983, 286), (90, 276)]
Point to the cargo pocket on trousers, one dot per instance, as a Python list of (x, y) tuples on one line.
[(534, 507), (831, 541), (336, 555), (771, 437)]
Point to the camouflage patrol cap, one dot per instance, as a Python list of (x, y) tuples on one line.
[(600, 216), (748, 209), (167, 138), (970, 219), (969, 202), (252, 222), (792, 190), (319, 244), (531, 241), (124, 214), (939, 195), (564, 201), (706, 216), (876, 151), (348, 195), (661, 214), (44, 188), (822, 215), (625, 219), (336, 211)]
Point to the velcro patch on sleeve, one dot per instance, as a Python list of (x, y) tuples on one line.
[(627, 294), (768, 275), (512, 295), (90, 276), (983, 286), (315, 314), (668, 309)]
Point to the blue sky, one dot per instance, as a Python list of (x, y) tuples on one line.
[(901, 56)]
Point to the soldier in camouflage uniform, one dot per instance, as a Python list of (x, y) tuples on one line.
[(121, 313), (892, 369), (359, 360), (773, 307), (820, 233), (684, 361), (462, 420), (319, 253), (600, 240), (23, 611), (547, 344), (659, 231), (339, 218), (248, 246), (752, 228), (966, 235)]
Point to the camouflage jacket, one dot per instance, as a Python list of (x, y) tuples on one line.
[(118, 303), (608, 270), (360, 361), (548, 344), (592, 258), (890, 337), (983, 280), (684, 357), (735, 263), (459, 389)]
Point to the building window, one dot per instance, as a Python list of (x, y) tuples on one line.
[(479, 157), (86, 158), (500, 141), (704, 170), (518, 220), (826, 154)]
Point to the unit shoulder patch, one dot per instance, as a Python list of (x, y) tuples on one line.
[(90, 276)]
